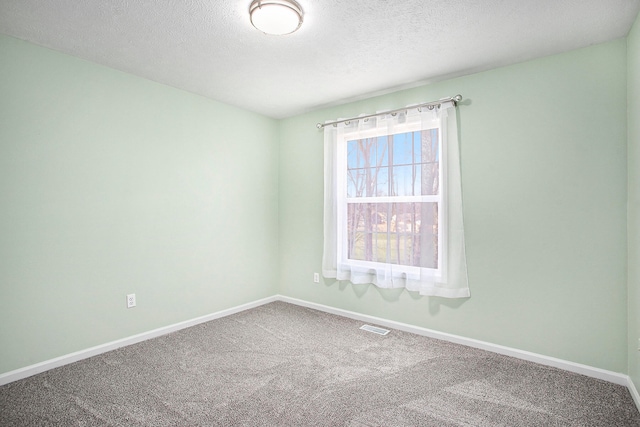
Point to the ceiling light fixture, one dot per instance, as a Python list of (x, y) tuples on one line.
[(277, 17)]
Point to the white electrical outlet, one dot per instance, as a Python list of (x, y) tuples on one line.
[(316, 278), (131, 300)]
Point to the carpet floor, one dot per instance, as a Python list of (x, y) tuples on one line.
[(284, 365)]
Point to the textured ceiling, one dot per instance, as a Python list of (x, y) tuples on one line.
[(345, 50)]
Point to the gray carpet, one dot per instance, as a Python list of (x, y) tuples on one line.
[(284, 365)]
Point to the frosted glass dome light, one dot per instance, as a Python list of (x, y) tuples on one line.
[(277, 17)]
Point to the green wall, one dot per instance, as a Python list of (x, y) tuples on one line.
[(111, 184), (544, 174), (633, 118)]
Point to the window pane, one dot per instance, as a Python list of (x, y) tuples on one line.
[(430, 156), (405, 164), (360, 152), (406, 180), (382, 182), (370, 182), (426, 237), (429, 146), (414, 158), (398, 233), (356, 246), (355, 181), (403, 148), (382, 152), (429, 179), (367, 174)]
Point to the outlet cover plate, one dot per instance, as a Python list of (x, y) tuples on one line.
[(131, 300)]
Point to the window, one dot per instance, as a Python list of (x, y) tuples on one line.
[(390, 199), (393, 203)]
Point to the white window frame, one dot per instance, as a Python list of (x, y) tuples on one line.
[(410, 272)]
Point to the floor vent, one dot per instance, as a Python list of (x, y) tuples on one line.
[(374, 329)]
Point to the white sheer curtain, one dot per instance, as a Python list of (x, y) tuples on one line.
[(401, 248)]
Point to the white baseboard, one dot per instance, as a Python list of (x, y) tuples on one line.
[(590, 371), (634, 392), (614, 377), (28, 371)]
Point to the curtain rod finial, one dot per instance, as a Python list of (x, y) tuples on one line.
[(457, 98)]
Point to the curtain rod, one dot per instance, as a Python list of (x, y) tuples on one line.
[(454, 99)]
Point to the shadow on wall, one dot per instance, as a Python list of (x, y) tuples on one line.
[(393, 295)]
